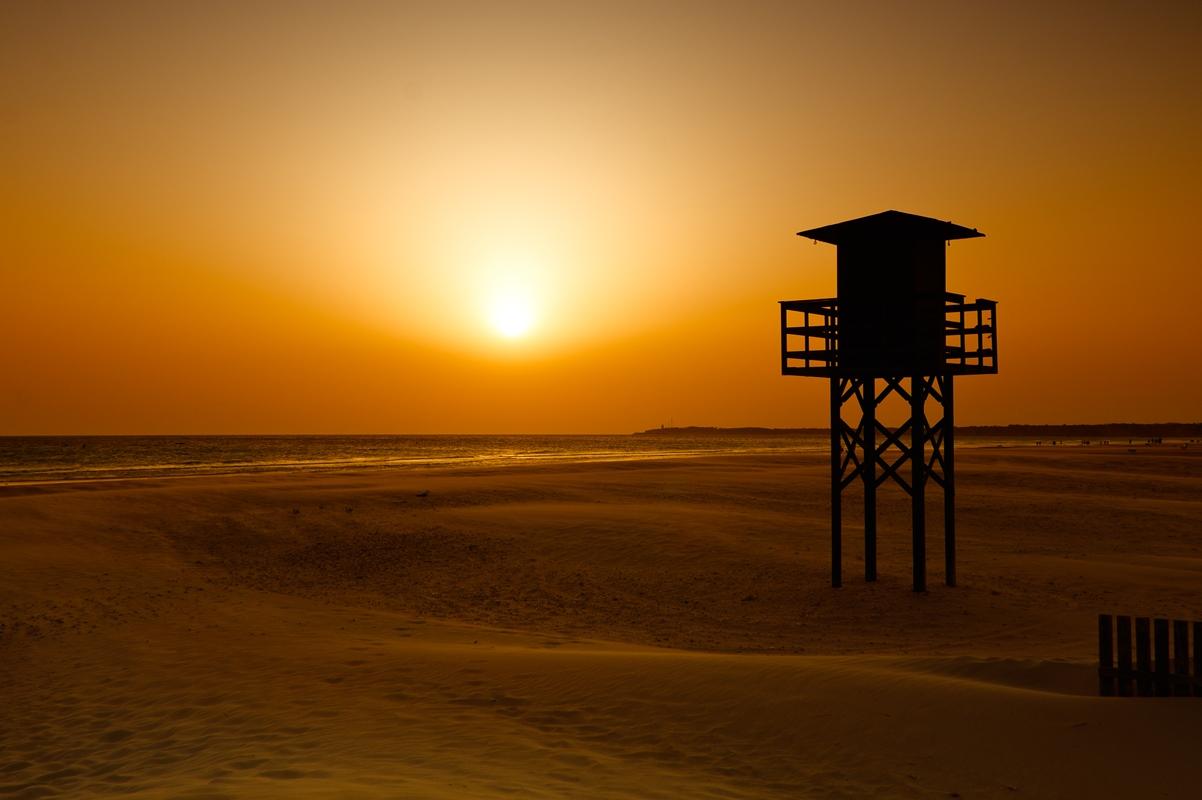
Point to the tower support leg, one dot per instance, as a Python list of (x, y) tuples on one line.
[(949, 485), (868, 406), (918, 479), (836, 483)]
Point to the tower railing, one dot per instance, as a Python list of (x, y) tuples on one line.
[(809, 336), (970, 332), (811, 347)]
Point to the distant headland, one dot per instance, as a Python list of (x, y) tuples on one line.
[(1109, 430)]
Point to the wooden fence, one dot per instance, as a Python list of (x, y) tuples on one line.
[(1164, 665)]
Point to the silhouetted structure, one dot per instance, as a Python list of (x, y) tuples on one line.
[(1172, 673), (895, 327)]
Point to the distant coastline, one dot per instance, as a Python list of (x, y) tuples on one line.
[(1109, 430)]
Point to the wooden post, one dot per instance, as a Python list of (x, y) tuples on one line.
[(1198, 659), (836, 484), (1164, 685), (949, 485), (868, 390), (1181, 681), (1143, 658), (1124, 656), (784, 338), (805, 322), (1105, 656), (918, 480)]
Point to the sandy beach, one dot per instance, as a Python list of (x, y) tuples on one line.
[(643, 629)]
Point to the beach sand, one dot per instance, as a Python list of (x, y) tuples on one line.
[(640, 629)]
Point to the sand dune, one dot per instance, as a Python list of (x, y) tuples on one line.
[(651, 629)]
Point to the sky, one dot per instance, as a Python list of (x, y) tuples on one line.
[(576, 217)]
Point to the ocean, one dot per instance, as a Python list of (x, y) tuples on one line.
[(69, 458), (25, 459)]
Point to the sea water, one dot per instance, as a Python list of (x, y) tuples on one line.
[(25, 459), (69, 458)]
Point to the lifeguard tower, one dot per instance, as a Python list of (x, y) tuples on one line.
[(893, 329)]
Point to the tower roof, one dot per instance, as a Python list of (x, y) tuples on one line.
[(889, 225)]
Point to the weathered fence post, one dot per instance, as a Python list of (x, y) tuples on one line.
[(1198, 659), (1143, 657), (1105, 656), (1181, 677), (1164, 686), (1124, 656)]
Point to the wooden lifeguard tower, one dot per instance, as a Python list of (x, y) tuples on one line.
[(893, 329)]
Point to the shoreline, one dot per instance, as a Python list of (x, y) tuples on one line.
[(451, 463)]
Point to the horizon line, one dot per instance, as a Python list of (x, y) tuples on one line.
[(790, 428)]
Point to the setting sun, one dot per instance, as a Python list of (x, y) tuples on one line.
[(512, 313)]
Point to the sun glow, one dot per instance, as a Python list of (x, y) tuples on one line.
[(511, 312)]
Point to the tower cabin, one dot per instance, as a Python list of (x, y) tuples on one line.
[(891, 271), (892, 315), (893, 326)]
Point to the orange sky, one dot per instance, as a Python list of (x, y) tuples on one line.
[(253, 217)]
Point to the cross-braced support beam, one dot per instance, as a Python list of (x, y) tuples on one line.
[(857, 453)]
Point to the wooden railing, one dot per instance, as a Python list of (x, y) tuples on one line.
[(819, 324), (970, 330), (1163, 665), (809, 336)]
